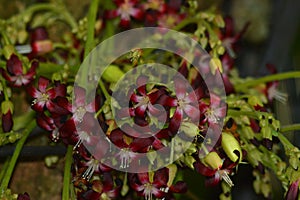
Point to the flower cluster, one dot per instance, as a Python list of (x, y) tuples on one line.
[(180, 115)]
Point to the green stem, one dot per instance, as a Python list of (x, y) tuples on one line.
[(12, 163), (60, 10), (292, 127), (89, 45), (186, 22), (269, 78), (90, 41), (4, 168), (237, 113), (286, 143), (103, 89), (67, 174)]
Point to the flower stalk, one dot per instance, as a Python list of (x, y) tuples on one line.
[(265, 79), (15, 156), (67, 174)]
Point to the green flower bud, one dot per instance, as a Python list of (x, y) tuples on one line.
[(190, 129), (112, 74), (215, 63), (230, 146), (189, 161), (172, 174), (213, 160), (8, 50), (7, 106), (266, 132)]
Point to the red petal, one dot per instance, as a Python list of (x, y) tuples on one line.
[(79, 94), (110, 14), (60, 90), (138, 14), (141, 84), (116, 136), (14, 65), (213, 181), (176, 120), (143, 177), (161, 178), (140, 110), (179, 187), (204, 170), (124, 23), (38, 106), (108, 183), (45, 122), (180, 87), (136, 98), (141, 143), (43, 84), (154, 95), (32, 91), (167, 101), (192, 112)]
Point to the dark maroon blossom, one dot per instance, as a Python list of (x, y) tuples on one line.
[(80, 107), (186, 103), (45, 95), (155, 184), (17, 74), (144, 101), (126, 9), (214, 176), (105, 188)]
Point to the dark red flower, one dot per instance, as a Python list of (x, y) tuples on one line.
[(186, 103), (128, 151), (214, 176), (144, 101), (16, 73), (125, 10), (156, 184), (80, 107), (45, 95), (102, 189), (149, 186)]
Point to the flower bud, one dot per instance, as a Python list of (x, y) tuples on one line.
[(293, 191), (231, 146), (8, 50), (213, 160), (42, 47), (112, 74)]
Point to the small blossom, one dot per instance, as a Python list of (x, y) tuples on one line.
[(16, 73), (125, 10), (44, 95)]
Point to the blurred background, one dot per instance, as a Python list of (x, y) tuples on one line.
[(273, 36)]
